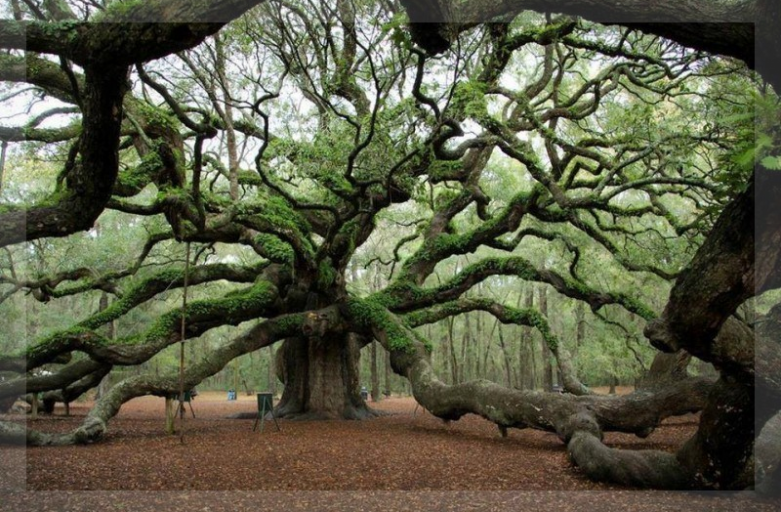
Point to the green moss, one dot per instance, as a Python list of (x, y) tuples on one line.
[(470, 99), (288, 323), (231, 309), (443, 170), (158, 118), (61, 342), (633, 305), (56, 197), (275, 249), (138, 177), (326, 274), (249, 178), (371, 313), (277, 214)]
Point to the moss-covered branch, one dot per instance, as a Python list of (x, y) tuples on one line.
[(96, 422), (402, 297), (63, 378), (638, 413), (232, 309), (507, 315), (578, 421)]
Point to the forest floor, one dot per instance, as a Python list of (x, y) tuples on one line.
[(339, 465)]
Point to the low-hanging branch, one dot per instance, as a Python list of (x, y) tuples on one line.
[(95, 424), (507, 315), (638, 413), (62, 378), (232, 309)]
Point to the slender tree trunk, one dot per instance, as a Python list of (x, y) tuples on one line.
[(477, 341), (271, 374), (466, 341), (580, 333), (445, 351), (111, 334), (453, 356), (506, 355), (547, 368), (227, 114), (387, 374), (375, 376), (526, 370), (487, 351)]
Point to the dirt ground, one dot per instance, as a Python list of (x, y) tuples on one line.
[(404, 450)]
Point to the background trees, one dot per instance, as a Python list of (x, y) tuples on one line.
[(335, 184)]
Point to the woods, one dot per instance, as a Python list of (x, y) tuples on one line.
[(489, 201)]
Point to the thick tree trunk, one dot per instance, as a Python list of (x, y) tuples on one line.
[(321, 379)]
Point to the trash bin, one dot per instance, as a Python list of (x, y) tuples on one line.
[(231, 395), (364, 393)]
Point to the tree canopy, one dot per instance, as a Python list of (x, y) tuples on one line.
[(269, 156)]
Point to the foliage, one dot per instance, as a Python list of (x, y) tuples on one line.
[(339, 164)]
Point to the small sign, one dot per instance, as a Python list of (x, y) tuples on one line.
[(265, 405), (265, 402)]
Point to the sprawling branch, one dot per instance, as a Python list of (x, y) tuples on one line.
[(95, 424), (726, 28), (256, 301), (508, 315), (105, 50), (403, 297), (143, 32), (638, 413)]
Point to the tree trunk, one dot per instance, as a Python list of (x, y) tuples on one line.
[(465, 342), (526, 367), (445, 356), (580, 332), (453, 357), (387, 374), (506, 357), (321, 379), (547, 367), (272, 378), (375, 377), (666, 369)]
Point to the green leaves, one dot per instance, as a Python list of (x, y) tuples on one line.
[(772, 163)]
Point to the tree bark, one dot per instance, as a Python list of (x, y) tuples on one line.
[(547, 366), (506, 358), (744, 30), (322, 379), (526, 367), (387, 374), (375, 376)]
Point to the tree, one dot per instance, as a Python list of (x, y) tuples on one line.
[(619, 157), (744, 29)]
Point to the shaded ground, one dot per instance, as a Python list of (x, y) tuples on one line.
[(396, 452)]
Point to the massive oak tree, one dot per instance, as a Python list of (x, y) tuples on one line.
[(296, 135)]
